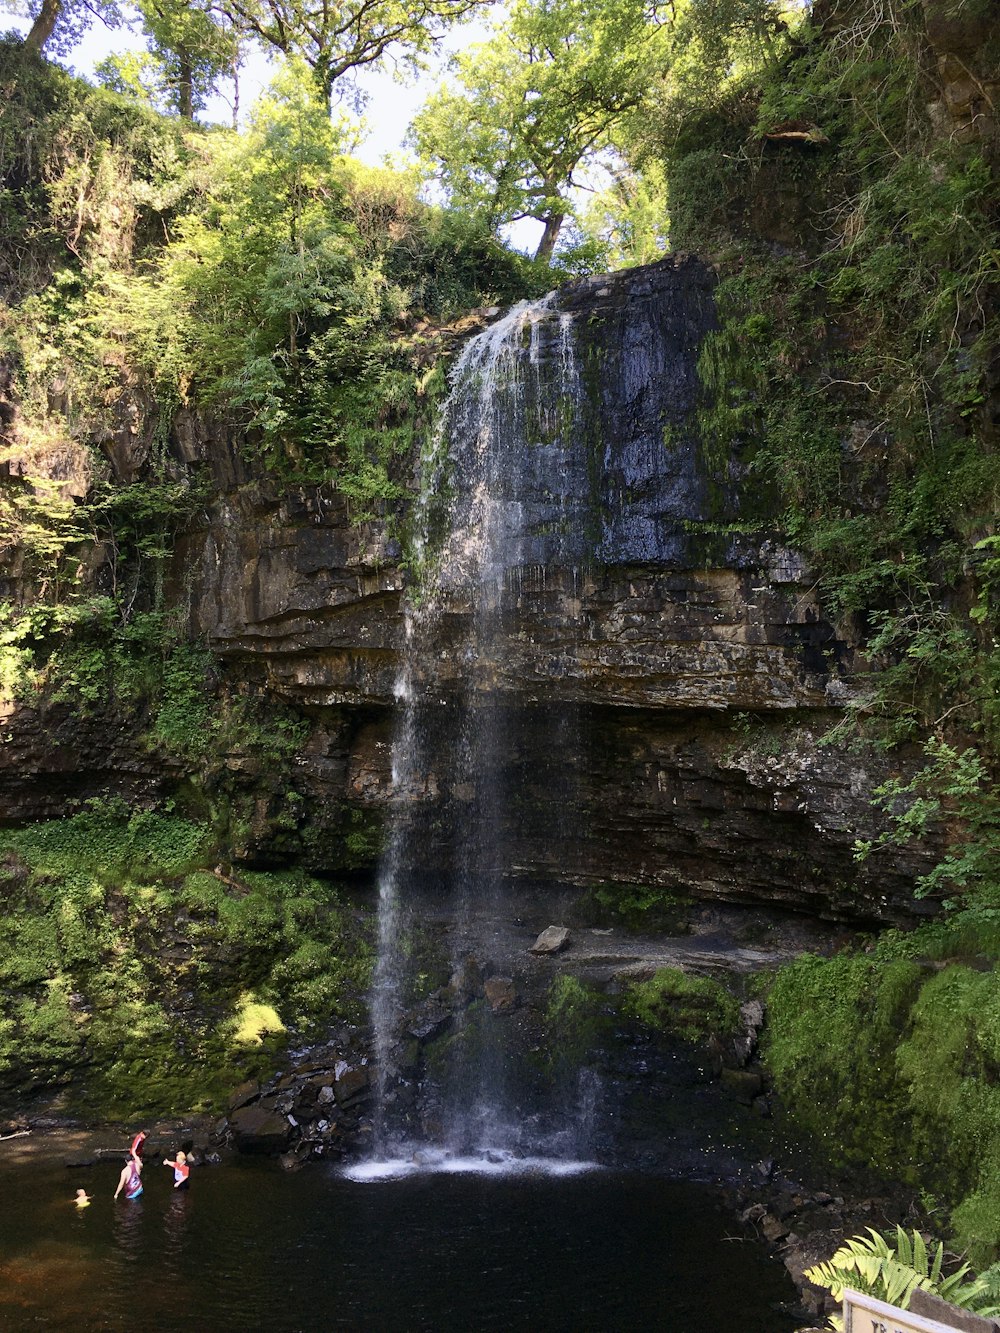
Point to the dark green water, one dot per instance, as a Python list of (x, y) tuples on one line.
[(249, 1247)]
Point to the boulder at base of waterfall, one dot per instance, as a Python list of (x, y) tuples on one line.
[(551, 940), (244, 1094), (256, 1129), (501, 994), (351, 1086)]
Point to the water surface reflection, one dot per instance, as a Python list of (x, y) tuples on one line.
[(251, 1247)]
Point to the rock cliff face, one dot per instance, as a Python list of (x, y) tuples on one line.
[(678, 645)]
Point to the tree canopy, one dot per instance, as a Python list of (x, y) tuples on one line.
[(337, 38), (535, 104), (194, 40)]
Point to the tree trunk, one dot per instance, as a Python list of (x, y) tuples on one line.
[(41, 29), (185, 84), (550, 235)]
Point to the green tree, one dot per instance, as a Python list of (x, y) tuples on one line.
[(536, 105), (57, 25), (188, 54), (336, 38), (189, 46), (192, 47)]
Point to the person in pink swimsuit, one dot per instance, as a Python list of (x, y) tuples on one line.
[(130, 1179)]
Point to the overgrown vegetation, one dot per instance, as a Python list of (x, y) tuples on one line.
[(853, 225), (910, 1028), (152, 271), (690, 1007), (891, 1270), (147, 978)]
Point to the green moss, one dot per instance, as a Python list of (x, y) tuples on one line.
[(639, 906), (685, 1006), (254, 1021), (916, 1044), (124, 959), (576, 1017)]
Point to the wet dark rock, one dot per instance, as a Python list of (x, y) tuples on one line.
[(553, 939), (296, 1158), (772, 1228), (501, 994), (430, 1023), (743, 1084), (409, 1058), (243, 1095), (351, 1086), (763, 1171), (256, 1129)]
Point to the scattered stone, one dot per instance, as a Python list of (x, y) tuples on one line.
[(501, 994), (430, 1022), (553, 939), (752, 1018), (326, 1095), (763, 1170)]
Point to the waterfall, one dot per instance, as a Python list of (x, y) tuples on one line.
[(509, 432)]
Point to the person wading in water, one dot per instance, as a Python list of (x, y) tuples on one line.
[(130, 1179), (181, 1170)]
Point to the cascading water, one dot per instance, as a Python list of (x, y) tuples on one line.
[(510, 426)]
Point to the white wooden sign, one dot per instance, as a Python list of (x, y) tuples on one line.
[(864, 1314)]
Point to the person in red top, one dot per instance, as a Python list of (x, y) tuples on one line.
[(138, 1143), (181, 1170)]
